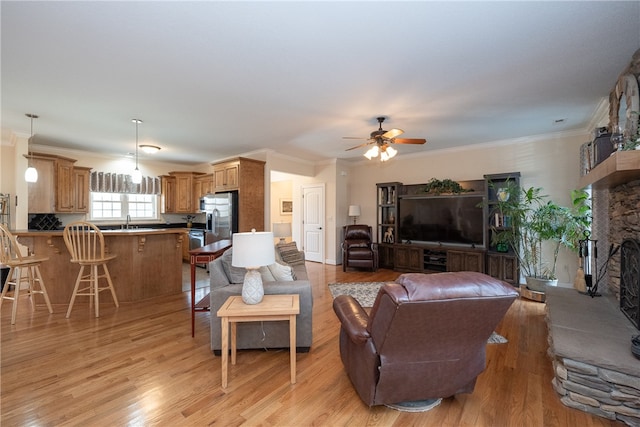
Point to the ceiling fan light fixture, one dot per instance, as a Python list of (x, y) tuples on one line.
[(391, 152), (372, 152)]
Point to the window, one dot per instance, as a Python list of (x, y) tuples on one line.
[(116, 206)]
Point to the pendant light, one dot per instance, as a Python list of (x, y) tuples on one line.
[(31, 174), (136, 176)]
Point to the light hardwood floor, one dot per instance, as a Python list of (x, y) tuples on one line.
[(138, 366)]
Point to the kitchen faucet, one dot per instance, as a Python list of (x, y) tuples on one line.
[(128, 220)]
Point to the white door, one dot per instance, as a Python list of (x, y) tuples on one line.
[(313, 222)]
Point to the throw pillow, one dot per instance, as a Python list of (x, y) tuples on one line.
[(290, 254), (235, 274), (282, 273), (266, 274)]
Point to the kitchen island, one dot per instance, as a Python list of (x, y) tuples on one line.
[(148, 262)]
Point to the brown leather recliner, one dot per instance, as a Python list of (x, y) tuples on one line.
[(358, 248), (425, 337)]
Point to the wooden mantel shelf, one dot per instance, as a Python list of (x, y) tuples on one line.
[(621, 167)]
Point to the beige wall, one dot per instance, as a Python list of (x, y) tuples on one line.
[(550, 162)]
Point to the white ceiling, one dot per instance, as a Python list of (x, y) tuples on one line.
[(214, 79)]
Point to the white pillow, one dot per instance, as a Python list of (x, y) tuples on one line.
[(282, 273), (266, 274)]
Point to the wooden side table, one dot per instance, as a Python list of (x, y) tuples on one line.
[(201, 255), (271, 308)]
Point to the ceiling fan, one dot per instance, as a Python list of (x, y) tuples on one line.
[(382, 139)]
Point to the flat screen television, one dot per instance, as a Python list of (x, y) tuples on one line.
[(447, 220)]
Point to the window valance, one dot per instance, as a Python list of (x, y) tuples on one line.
[(107, 182)]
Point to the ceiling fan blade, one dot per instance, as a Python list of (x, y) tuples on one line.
[(352, 137), (358, 146), (392, 133), (409, 141)]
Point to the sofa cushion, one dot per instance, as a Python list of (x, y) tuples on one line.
[(289, 253), (266, 274), (235, 274), (282, 272)]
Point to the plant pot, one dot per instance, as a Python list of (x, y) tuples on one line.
[(539, 285)]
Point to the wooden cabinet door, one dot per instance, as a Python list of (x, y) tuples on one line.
[(168, 184), (474, 261), (231, 173), (184, 193), (227, 176), (408, 259), (455, 261), (65, 189), (42, 194), (510, 270), (465, 261), (503, 267), (81, 189), (219, 179)]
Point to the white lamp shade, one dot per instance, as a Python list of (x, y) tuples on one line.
[(31, 174), (136, 176), (354, 210), (281, 229), (252, 250)]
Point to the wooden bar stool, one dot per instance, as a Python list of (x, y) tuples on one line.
[(23, 269), (85, 243)]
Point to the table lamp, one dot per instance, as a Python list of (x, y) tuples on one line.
[(251, 251), (354, 211), (282, 230)]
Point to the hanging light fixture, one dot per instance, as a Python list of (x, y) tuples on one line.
[(31, 174), (136, 176)]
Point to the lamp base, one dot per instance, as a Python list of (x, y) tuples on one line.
[(252, 290)]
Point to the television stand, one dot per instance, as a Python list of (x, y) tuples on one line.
[(419, 258)]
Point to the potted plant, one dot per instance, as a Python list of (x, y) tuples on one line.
[(533, 221)]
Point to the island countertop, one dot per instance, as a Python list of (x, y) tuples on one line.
[(148, 262)]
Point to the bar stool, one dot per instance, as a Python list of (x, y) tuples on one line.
[(85, 243), (23, 269)]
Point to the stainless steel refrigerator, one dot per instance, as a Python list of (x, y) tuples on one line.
[(222, 215)]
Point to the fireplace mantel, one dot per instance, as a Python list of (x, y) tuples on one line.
[(621, 167)]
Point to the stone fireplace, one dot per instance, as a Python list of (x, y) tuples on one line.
[(630, 280), (590, 337)]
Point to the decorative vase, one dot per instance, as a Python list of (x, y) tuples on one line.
[(392, 218), (540, 285), (502, 194), (502, 247)]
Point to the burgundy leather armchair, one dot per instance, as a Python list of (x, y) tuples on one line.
[(358, 248), (425, 337)]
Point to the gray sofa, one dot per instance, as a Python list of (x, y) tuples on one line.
[(227, 281)]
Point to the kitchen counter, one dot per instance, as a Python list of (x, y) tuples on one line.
[(148, 262)]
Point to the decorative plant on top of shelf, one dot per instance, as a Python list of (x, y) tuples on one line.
[(445, 186)]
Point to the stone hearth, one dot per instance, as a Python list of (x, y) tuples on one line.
[(590, 345)]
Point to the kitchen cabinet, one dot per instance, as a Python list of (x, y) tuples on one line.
[(61, 186), (203, 185), (226, 176), (42, 193), (81, 188), (178, 192), (65, 191), (247, 177), (168, 186)]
